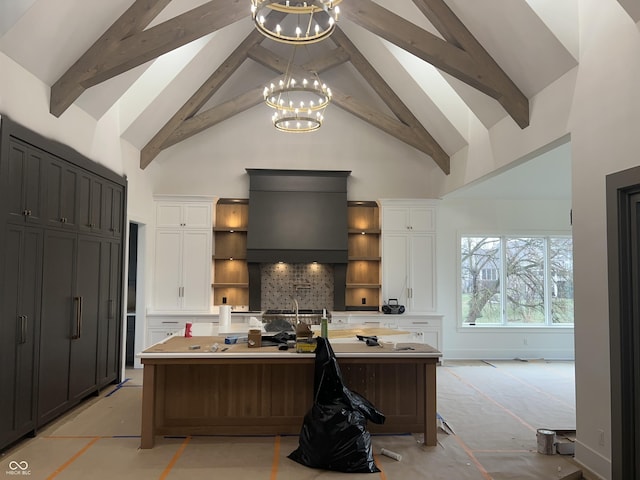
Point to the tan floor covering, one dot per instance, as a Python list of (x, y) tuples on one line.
[(494, 408)]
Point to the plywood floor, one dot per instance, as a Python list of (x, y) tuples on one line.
[(493, 410)]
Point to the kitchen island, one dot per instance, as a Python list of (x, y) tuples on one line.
[(190, 390)]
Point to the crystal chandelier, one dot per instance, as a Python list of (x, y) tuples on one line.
[(304, 22)]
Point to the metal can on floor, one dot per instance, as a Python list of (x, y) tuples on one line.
[(546, 441)]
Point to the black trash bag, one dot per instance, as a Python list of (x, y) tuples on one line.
[(334, 433)]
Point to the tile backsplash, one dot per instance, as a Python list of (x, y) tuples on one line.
[(312, 284)]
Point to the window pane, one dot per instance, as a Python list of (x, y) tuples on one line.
[(525, 280), (561, 272), (480, 262)]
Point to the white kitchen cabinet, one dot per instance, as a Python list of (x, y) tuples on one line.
[(400, 216), (409, 254), (182, 270), (182, 264), (426, 328), (183, 214)]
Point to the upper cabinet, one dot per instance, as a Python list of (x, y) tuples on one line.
[(182, 267), (409, 253), (22, 185), (403, 216), (187, 214)]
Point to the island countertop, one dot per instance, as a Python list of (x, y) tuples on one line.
[(393, 343)]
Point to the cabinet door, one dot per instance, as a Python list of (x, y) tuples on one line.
[(112, 204), (109, 313), (20, 309), (395, 219), (62, 193), (90, 200), (84, 333), (24, 192), (168, 270), (422, 293), (169, 215), (196, 269), (197, 215), (57, 322), (395, 273), (422, 219)]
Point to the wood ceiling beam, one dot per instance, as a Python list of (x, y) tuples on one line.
[(161, 140), (69, 86), (215, 115), (464, 58), (126, 44), (395, 104)]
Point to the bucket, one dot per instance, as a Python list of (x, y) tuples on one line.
[(546, 441)]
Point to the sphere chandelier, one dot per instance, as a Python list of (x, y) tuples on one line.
[(304, 22)]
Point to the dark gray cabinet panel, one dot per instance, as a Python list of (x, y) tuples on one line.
[(61, 180), (109, 317), (90, 200), (22, 179), (59, 310), (83, 367), (19, 327)]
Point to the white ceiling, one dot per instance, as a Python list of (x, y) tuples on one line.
[(533, 41)]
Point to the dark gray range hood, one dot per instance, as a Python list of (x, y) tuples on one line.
[(297, 216)]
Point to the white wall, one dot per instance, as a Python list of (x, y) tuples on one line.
[(458, 217), (605, 128)]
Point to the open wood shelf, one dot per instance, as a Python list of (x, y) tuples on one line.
[(363, 284), (230, 271)]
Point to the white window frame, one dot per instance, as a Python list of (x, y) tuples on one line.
[(504, 325)]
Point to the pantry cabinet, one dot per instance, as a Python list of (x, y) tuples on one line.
[(61, 262), (409, 254), (182, 265)]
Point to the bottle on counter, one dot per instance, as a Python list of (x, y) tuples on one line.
[(324, 324)]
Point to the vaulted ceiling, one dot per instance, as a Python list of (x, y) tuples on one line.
[(415, 69)]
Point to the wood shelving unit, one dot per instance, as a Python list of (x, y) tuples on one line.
[(230, 272), (363, 269)]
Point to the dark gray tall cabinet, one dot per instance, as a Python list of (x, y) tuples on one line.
[(61, 259)]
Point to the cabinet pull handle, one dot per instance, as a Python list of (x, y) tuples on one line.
[(168, 321), (78, 302), (110, 313), (23, 329)]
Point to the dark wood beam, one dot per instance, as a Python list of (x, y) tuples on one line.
[(450, 26), (471, 67), (125, 45), (69, 87), (215, 115), (161, 140), (385, 123), (395, 104)]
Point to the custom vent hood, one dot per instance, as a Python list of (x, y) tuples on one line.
[(297, 216)]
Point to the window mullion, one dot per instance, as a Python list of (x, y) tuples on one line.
[(503, 279)]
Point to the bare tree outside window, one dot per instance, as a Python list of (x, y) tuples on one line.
[(517, 280)]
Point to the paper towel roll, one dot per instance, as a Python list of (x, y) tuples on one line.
[(225, 318)]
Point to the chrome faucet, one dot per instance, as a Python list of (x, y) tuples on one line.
[(296, 309)]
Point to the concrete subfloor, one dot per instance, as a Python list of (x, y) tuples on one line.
[(491, 410)]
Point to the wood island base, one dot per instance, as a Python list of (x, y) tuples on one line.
[(269, 395)]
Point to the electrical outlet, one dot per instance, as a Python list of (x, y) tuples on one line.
[(601, 438), (364, 301)]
